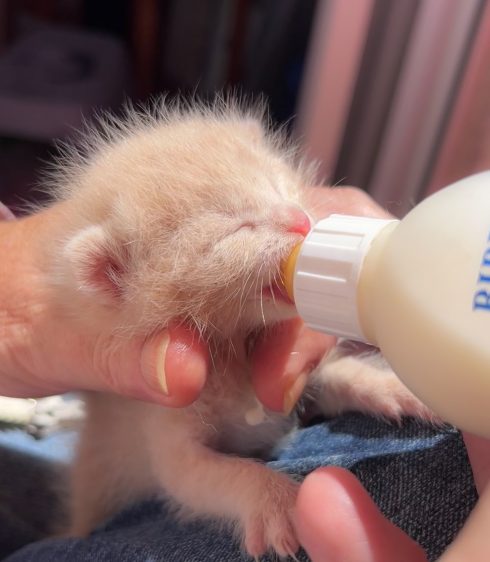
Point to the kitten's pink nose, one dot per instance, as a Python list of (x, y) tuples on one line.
[(297, 221)]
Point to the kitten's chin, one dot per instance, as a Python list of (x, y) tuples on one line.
[(277, 294)]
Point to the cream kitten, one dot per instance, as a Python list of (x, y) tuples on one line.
[(185, 215)]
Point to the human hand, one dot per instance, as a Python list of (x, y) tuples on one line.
[(41, 355)]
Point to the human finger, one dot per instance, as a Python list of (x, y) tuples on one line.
[(478, 449), (169, 368), (336, 520), (324, 201), (282, 360)]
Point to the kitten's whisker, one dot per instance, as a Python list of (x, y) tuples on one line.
[(272, 290), (245, 292), (259, 278), (241, 304)]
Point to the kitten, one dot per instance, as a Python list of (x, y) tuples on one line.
[(185, 214)]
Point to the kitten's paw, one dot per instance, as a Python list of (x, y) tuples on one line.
[(393, 400), (269, 525), (360, 384)]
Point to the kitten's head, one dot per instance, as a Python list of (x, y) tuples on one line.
[(184, 217)]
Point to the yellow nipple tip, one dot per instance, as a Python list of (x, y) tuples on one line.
[(288, 267)]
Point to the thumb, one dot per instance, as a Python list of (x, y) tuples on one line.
[(168, 368), (337, 520)]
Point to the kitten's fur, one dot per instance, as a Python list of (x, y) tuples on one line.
[(185, 214)]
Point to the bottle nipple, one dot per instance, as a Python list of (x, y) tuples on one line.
[(321, 274), (288, 268)]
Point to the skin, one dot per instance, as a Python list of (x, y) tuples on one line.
[(335, 517)]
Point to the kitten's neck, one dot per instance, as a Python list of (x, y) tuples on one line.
[(232, 349)]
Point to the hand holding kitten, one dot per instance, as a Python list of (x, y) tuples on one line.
[(40, 355)]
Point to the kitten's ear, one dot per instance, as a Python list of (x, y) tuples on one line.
[(98, 263)]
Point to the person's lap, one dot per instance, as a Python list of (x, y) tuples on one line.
[(418, 475)]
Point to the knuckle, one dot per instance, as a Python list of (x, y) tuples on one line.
[(105, 362)]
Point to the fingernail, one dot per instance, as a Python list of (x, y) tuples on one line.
[(153, 362), (293, 392), (160, 367)]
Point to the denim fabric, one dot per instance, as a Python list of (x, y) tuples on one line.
[(418, 475)]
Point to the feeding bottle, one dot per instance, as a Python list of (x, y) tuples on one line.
[(419, 289)]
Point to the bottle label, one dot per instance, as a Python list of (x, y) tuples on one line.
[(481, 299)]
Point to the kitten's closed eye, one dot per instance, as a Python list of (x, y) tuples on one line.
[(289, 218)]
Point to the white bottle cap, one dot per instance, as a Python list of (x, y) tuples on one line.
[(327, 273)]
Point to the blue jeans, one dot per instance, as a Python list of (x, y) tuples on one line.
[(418, 475)]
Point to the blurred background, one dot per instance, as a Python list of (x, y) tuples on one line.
[(393, 97)]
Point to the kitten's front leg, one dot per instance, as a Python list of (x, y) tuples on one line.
[(364, 383), (209, 483)]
